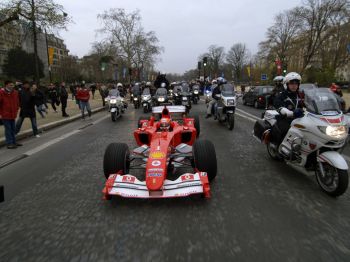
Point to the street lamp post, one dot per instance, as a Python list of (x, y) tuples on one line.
[(37, 76)]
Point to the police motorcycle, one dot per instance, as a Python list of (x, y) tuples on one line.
[(314, 142), (226, 106), (161, 96), (186, 97), (116, 105), (146, 100), (208, 92), (195, 94)]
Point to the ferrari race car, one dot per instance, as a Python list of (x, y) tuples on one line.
[(173, 163)]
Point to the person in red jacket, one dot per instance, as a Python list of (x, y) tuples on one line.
[(83, 95), (9, 106)]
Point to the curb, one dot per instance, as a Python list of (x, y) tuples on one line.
[(48, 126)]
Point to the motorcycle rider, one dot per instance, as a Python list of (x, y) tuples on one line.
[(114, 91), (161, 78), (339, 96), (216, 91), (278, 80), (289, 104)]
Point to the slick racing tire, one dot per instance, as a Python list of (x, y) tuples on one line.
[(139, 121), (204, 157), (335, 182), (197, 125), (116, 159)]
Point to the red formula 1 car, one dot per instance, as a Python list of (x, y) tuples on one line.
[(167, 149)]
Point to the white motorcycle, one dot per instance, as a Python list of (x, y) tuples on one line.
[(226, 106), (146, 102), (313, 142), (116, 106)]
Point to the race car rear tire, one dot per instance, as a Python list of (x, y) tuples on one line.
[(205, 157), (139, 121), (197, 124), (116, 158)]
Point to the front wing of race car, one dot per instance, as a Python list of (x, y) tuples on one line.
[(129, 186)]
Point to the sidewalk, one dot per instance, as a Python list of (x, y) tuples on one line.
[(53, 119)]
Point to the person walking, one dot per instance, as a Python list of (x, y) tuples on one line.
[(53, 96), (93, 90), (40, 102), (9, 106), (27, 105), (63, 98), (83, 95)]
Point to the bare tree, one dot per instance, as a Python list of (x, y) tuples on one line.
[(316, 16), (281, 34), (238, 56), (125, 32)]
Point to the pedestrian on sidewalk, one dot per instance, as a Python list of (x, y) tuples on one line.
[(83, 95), (72, 89), (9, 106), (93, 90), (53, 96), (63, 97), (104, 93), (27, 105), (40, 101)]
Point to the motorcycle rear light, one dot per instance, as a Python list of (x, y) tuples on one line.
[(312, 146)]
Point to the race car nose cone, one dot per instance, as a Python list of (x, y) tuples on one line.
[(155, 172)]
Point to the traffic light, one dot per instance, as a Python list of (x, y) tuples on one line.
[(199, 65), (205, 61), (284, 71)]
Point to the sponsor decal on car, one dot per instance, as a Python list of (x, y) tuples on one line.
[(156, 170), (187, 177), (154, 175), (156, 163), (157, 155), (129, 179)]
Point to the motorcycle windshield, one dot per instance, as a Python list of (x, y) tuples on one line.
[(321, 101), (195, 87), (161, 92), (146, 91), (227, 90), (185, 88)]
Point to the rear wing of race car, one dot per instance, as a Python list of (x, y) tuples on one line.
[(171, 109)]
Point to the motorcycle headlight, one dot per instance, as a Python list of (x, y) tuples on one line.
[(113, 101), (195, 92), (334, 131), (184, 98), (161, 99), (135, 99), (230, 102)]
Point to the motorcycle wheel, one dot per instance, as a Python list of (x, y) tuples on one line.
[(195, 101), (145, 110), (114, 116), (335, 182), (273, 152), (230, 121)]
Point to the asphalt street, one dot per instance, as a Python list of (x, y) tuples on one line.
[(260, 210)]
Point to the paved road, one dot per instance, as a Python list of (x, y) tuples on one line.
[(260, 210)]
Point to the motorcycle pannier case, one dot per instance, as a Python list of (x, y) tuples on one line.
[(260, 127)]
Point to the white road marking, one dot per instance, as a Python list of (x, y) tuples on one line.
[(251, 115)]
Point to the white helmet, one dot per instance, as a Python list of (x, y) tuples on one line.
[(148, 84), (214, 81), (289, 77), (278, 79), (119, 85)]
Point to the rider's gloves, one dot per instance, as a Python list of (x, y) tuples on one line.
[(298, 113), (286, 112)]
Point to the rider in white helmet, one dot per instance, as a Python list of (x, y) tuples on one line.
[(289, 104)]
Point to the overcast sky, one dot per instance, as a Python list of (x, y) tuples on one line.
[(185, 28)]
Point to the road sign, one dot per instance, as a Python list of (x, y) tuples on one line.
[(263, 77)]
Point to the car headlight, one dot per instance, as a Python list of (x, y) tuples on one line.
[(334, 131), (161, 99), (113, 101), (195, 92)]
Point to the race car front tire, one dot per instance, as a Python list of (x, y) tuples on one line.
[(205, 157), (116, 159)]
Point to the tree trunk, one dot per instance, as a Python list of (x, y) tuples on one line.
[(37, 76)]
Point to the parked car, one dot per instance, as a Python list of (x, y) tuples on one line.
[(306, 86), (257, 96)]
